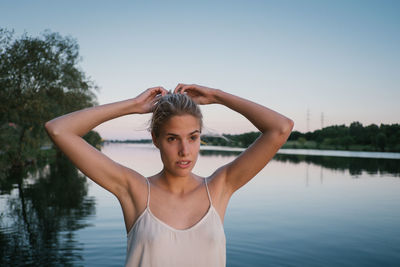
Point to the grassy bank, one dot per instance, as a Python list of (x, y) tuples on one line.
[(315, 145)]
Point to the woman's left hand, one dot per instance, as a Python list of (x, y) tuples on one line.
[(200, 94), (144, 103)]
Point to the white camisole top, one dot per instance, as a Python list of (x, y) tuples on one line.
[(153, 243)]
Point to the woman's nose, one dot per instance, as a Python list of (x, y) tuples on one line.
[(184, 149)]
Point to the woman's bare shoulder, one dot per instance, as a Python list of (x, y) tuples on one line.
[(217, 178), (136, 190), (136, 185), (134, 197), (217, 184)]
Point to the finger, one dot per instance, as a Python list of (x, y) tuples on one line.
[(159, 90), (154, 101), (164, 91), (186, 89), (178, 88)]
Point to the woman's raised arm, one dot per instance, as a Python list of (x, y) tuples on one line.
[(274, 127), (67, 131)]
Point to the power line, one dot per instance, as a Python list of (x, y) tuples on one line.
[(322, 120)]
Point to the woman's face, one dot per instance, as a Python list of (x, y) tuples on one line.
[(179, 144)]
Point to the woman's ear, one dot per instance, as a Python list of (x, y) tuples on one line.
[(154, 138)]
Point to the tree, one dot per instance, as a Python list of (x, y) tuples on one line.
[(381, 141), (294, 136), (39, 80), (43, 217), (356, 131)]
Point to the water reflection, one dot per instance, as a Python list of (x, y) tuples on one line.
[(355, 166), (41, 210), (223, 153), (275, 220)]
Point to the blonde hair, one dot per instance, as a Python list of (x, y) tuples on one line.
[(171, 105)]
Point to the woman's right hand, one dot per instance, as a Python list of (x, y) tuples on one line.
[(202, 95), (145, 102)]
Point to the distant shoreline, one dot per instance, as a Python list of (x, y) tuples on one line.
[(356, 137), (289, 151)]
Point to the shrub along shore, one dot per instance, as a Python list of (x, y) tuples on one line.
[(356, 137)]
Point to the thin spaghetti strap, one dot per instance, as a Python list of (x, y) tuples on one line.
[(208, 192), (148, 195)]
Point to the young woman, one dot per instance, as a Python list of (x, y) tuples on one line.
[(174, 218)]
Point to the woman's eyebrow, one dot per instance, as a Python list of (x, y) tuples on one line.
[(195, 131)]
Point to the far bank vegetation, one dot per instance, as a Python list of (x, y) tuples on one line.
[(356, 137)]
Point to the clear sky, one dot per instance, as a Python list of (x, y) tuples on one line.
[(339, 58)]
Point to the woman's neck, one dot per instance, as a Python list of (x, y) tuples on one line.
[(177, 185)]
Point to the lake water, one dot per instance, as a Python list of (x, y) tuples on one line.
[(300, 210)]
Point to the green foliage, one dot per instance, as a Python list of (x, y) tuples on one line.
[(337, 137), (39, 80), (43, 215), (354, 137), (302, 140), (381, 141), (94, 139), (355, 166), (239, 140)]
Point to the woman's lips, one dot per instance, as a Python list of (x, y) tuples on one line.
[(183, 163)]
